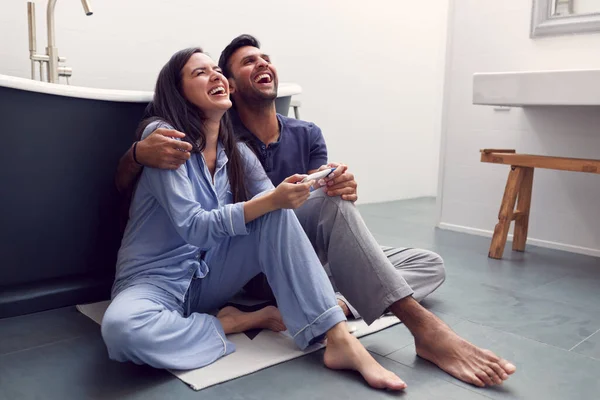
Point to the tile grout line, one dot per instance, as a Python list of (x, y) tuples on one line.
[(466, 388), (403, 347), (42, 345), (447, 378), (526, 337), (572, 348)]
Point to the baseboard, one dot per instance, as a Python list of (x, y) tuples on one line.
[(532, 241), (34, 297)]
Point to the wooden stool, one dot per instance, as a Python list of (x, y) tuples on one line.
[(519, 186)]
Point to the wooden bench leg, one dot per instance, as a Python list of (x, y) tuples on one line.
[(505, 216), (523, 207)]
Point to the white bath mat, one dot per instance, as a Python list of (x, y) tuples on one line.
[(264, 350)]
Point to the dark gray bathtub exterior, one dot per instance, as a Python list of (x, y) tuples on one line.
[(60, 213)]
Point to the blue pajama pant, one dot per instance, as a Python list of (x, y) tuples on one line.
[(147, 325)]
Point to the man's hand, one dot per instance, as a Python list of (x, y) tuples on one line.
[(340, 182), (158, 150)]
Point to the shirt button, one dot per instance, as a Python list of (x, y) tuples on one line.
[(191, 269)]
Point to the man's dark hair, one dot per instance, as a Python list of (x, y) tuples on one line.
[(237, 43), (241, 41)]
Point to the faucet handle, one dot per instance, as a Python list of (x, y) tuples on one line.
[(65, 71)]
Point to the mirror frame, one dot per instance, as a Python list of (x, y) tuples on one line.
[(544, 24)]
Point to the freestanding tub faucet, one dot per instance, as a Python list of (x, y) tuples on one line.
[(51, 58)]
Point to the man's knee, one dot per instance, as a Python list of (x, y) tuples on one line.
[(331, 205), (437, 267), (337, 200)]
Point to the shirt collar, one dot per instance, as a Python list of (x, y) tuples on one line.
[(221, 156), (242, 131)]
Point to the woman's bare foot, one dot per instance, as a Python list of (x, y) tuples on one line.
[(235, 321), (344, 351), (462, 359)]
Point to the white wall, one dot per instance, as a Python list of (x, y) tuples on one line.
[(371, 71), (493, 36), (586, 6)]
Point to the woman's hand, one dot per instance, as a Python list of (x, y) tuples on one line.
[(290, 193)]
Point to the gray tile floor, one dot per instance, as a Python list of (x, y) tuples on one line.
[(539, 309)]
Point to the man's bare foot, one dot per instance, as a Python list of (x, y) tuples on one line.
[(462, 359), (436, 342), (235, 321), (344, 351)]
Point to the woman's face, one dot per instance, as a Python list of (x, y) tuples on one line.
[(205, 86)]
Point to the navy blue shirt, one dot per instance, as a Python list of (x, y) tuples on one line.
[(300, 148)]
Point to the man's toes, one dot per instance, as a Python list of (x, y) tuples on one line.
[(499, 371), (493, 375), (508, 367), (484, 377), (473, 379), (493, 359)]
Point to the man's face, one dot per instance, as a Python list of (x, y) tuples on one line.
[(253, 78)]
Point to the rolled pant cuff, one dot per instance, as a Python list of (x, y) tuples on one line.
[(377, 309), (353, 311), (319, 327)]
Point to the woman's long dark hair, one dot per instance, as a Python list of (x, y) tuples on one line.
[(171, 106)]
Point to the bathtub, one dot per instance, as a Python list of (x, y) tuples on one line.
[(59, 210)]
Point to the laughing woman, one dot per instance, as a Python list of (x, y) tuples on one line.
[(198, 233)]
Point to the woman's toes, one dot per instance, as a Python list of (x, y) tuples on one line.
[(395, 383), (227, 311)]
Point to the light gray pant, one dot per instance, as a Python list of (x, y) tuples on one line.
[(369, 277)]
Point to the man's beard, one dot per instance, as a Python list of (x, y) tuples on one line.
[(255, 98)]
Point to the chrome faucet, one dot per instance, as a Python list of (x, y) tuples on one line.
[(51, 58)]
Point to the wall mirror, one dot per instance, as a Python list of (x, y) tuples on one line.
[(562, 17)]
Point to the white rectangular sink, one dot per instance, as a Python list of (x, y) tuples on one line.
[(538, 88)]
